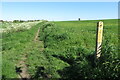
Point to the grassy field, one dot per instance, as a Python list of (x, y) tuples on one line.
[(65, 49), (73, 42), (14, 45)]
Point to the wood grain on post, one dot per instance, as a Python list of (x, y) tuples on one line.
[(99, 39)]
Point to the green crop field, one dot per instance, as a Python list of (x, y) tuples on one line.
[(59, 49)]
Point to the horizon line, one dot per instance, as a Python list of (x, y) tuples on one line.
[(56, 20)]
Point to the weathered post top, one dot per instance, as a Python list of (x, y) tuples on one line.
[(100, 31), (99, 38)]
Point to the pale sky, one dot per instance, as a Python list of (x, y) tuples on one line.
[(59, 11)]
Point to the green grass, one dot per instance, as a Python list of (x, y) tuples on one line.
[(65, 50), (74, 43), (13, 46)]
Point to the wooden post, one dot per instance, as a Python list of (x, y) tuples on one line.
[(99, 39)]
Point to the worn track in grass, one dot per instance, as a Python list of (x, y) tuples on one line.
[(22, 63)]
